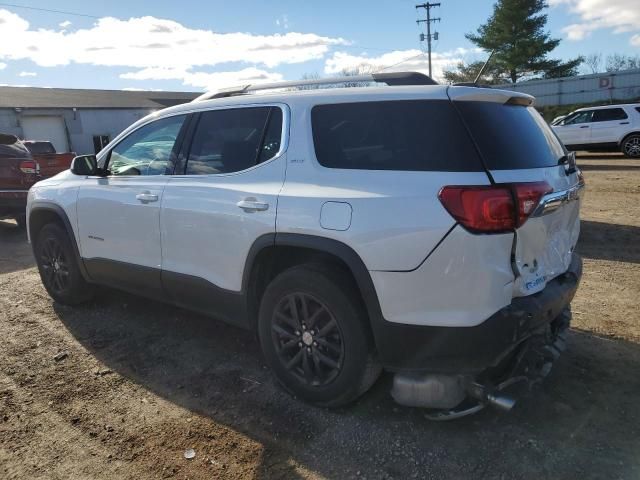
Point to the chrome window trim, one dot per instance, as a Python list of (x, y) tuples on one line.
[(553, 201)]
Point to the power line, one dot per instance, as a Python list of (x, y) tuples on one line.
[(429, 36), (402, 61), (62, 12)]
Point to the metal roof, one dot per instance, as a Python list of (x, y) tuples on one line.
[(32, 97)]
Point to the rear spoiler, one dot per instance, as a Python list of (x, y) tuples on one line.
[(476, 94)]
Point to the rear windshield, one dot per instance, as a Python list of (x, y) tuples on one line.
[(11, 147), (511, 136), (416, 135), (40, 148)]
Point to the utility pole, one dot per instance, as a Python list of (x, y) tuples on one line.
[(429, 36)]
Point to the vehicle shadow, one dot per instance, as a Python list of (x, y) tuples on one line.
[(600, 156), (15, 251), (592, 167), (608, 241), (217, 371)]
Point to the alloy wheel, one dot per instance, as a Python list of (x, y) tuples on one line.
[(307, 339), (632, 147), (54, 265)]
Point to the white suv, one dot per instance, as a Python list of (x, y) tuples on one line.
[(606, 128), (425, 229)]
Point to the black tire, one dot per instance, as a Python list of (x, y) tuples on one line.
[(58, 266), (334, 363), (22, 222), (631, 146)]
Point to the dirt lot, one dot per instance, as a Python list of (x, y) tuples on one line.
[(142, 382)]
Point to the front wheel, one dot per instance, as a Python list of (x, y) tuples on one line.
[(313, 334), (59, 268), (631, 146)]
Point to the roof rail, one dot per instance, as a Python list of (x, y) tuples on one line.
[(391, 78)]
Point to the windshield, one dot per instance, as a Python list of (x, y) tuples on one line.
[(511, 136)]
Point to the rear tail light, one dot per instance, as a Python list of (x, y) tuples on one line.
[(493, 208), (29, 166)]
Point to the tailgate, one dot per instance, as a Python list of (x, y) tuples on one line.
[(53, 163), (14, 175), (518, 147)]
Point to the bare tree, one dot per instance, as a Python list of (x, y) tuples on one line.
[(362, 69), (618, 62), (593, 61)]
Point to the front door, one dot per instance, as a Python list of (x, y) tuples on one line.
[(119, 215), (575, 129), (225, 200)]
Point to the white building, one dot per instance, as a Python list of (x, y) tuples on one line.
[(82, 121)]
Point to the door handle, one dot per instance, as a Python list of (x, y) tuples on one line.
[(624, 123), (147, 197), (252, 205), (584, 126)]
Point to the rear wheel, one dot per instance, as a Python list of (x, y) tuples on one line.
[(313, 334), (58, 267), (631, 146)]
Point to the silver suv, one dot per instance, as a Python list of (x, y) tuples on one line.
[(424, 229)]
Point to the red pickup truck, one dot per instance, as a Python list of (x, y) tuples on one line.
[(21, 165)]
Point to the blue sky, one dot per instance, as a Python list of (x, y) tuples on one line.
[(190, 45)]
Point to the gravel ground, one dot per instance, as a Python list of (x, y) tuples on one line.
[(120, 388)]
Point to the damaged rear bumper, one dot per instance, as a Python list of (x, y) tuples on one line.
[(519, 343), (471, 350)]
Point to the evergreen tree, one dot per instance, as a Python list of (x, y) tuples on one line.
[(516, 31)]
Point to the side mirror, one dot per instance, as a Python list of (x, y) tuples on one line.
[(84, 165)]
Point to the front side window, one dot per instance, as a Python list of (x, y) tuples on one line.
[(148, 150), (580, 117), (609, 114), (232, 140)]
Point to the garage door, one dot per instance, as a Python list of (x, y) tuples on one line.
[(47, 128)]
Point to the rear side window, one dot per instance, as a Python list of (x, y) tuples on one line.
[(415, 135), (40, 147), (232, 140), (608, 114), (511, 136)]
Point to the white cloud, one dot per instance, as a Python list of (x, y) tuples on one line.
[(64, 24), (149, 42), (283, 21), (398, 60), (621, 16), (206, 80), (3, 66), (27, 74)]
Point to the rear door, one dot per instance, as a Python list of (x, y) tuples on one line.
[(608, 124), (224, 199), (517, 146)]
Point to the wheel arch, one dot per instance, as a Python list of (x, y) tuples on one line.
[(42, 214), (273, 253), (635, 132)]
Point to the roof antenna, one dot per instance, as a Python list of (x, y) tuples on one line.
[(475, 82)]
